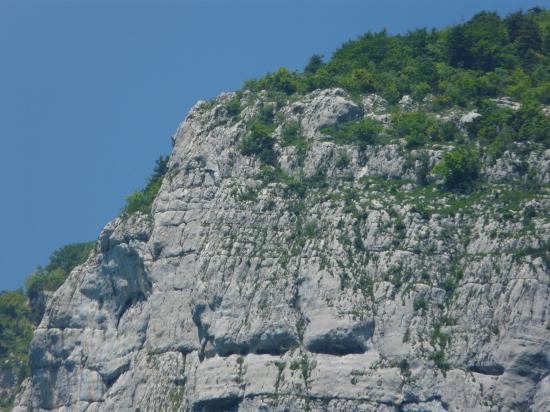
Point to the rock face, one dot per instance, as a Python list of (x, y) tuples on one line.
[(344, 287)]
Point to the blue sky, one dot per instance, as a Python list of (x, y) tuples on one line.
[(91, 91)]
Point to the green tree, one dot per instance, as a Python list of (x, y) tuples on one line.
[(259, 142), (314, 64), (141, 200), (363, 132), (283, 81), (15, 335), (524, 33), (459, 48), (459, 167), (69, 256)]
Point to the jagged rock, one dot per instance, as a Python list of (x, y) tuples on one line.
[(407, 104), (346, 296), (326, 108), (374, 104), (8, 381), (507, 103), (468, 117)]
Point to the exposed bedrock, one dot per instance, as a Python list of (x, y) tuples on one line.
[(242, 294)]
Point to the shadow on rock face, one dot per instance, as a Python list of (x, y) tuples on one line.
[(229, 404), (342, 341), (274, 342)]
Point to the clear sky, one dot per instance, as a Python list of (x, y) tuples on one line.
[(91, 91)]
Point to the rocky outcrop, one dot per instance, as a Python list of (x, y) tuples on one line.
[(344, 286), (8, 381)]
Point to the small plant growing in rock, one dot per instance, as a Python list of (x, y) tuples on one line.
[(250, 195), (363, 132), (404, 367), (420, 304), (343, 161), (259, 143), (440, 361), (234, 106), (291, 136), (311, 230), (141, 200)]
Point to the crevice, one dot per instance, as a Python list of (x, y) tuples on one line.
[(228, 404), (491, 369), (202, 330), (110, 380), (340, 343), (131, 301)]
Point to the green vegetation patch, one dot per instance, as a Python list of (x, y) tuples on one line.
[(292, 136), (22, 310), (141, 200), (363, 132), (459, 167), (419, 128)]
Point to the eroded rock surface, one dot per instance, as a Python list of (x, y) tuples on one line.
[(353, 290)]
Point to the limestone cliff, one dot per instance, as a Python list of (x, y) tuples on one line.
[(335, 281)]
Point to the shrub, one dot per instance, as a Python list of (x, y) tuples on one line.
[(479, 58), (420, 128), (342, 161), (420, 303), (459, 167), (234, 106), (259, 143), (16, 330), (440, 360), (291, 136), (311, 230), (314, 64), (363, 132), (69, 256), (250, 195), (50, 278), (404, 367), (20, 313), (141, 200), (266, 114)]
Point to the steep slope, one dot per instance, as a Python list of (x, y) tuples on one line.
[(331, 281)]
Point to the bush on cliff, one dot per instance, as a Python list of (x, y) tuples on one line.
[(21, 310), (459, 167), (486, 56), (141, 200)]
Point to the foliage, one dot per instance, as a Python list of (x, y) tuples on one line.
[(291, 136), (67, 257), (141, 200), (234, 106), (60, 264), (259, 142), (314, 64), (419, 128), (420, 303), (342, 161), (440, 361), (486, 56), (362, 132), (283, 80), (459, 167), (15, 335), (20, 312)]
